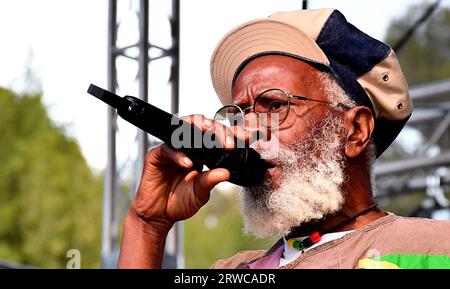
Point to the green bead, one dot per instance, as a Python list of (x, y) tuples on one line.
[(297, 245)]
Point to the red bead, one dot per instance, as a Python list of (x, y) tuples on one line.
[(315, 237)]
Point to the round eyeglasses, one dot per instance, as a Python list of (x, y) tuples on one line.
[(271, 108)]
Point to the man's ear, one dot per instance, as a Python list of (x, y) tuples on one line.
[(360, 125)]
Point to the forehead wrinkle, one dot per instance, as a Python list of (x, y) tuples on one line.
[(239, 100), (245, 97)]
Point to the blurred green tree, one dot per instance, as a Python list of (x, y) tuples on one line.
[(50, 201), (216, 231), (426, 55)]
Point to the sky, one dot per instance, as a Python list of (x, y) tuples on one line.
[(64, 44)]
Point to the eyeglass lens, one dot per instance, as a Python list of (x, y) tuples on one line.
[(230, 115), (272, 107)]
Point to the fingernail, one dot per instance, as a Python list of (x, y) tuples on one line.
[(221, 173), (207, 122), (187, 161)]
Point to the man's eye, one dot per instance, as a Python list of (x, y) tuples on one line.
[(277, 105)]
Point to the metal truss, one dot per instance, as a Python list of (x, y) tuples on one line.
[(426, 168), (116, 197)]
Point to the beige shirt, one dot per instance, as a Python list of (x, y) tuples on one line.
[(388, 242)]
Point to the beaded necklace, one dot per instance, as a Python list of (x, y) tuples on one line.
[(315, 237)]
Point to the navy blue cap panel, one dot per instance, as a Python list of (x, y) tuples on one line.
[(351, 53), (348, 45)]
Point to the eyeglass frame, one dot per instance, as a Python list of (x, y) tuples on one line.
[(289, 96)]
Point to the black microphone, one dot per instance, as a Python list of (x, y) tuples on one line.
[(245, 165)]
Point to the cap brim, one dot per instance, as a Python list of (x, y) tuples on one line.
[(254, 38)]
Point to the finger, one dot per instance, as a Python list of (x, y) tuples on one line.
[(232, 137), (241, 134), (199, 120), (235, 136), (224, 137), (164, 155), (206, 181)]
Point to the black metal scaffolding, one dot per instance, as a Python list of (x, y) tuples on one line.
[(112, 216)]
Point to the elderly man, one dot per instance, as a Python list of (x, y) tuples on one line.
[(340, 99)]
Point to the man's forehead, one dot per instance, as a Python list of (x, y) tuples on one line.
[(274, 71), (277, 63)]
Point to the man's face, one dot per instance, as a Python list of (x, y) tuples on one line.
[(306, 149)]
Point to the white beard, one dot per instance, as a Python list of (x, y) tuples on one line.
[(310, 186)]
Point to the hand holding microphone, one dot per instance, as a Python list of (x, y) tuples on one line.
[(244, 164), (172, 186)]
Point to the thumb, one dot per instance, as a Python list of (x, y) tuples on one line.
[(207, 181)]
